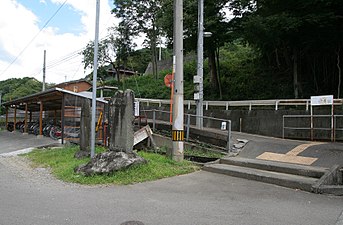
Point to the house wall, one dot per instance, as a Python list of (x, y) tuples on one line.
[(76, 87)]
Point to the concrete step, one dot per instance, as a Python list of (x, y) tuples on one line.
[(288, 168), (281, 179)]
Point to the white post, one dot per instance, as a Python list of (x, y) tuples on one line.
[(178, 110), (96, 42)]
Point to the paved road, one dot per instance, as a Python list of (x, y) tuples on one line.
[(32, 197), (327, 153), (13, 141)]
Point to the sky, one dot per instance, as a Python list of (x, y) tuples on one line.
[(23, 37)]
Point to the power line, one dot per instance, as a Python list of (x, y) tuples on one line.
[(30, 42)]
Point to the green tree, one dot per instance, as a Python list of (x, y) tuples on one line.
[(19, 87), (141, 17), (113, 51), (298, 39), (214, 22)]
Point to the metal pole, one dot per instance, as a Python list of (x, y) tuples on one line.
[(178, 110), (44, 69), (228, 144), (311, 122), (153, 119), (283, 126), (332, 122), (200, 68), (96, 42), (188, 126)]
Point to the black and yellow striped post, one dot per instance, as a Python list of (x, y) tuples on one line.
[(178, 135)]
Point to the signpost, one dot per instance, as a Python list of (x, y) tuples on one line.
[(323, 100)]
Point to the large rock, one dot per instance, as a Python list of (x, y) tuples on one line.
[(109, 162)]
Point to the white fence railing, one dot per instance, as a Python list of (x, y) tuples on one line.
[(275, 103)]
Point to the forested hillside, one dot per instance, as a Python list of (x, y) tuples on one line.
[(19, 87), (266, 49)]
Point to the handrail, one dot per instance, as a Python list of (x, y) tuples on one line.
[(188, 125), (248, 103)]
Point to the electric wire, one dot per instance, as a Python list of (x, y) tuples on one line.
[(34, 38)]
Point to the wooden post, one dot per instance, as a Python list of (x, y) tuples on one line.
[(41, 119), (6, 117), (62, 119), (25, 125), (15, 117), (55, 117)]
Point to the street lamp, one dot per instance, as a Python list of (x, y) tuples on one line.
[(198, 79)]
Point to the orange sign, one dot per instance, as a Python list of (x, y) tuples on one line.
[(168, 80)]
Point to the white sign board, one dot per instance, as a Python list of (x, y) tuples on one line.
[(223, 126), (136, 108), (322, 100)]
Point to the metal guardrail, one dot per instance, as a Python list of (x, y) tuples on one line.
[(188, 124), (333, 127), (276, 103)]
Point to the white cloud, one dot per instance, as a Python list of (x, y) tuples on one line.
[(18, 26)]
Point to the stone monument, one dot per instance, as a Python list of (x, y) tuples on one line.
[(85, 129), (121, 120)]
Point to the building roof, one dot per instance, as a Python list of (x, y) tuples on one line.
[(51, 98), (72, 82)]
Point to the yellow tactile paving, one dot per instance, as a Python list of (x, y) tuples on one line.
[(300, 148), (291, 156), (287, 158)]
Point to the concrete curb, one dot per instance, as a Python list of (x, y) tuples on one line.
[(15, 153), (280, 179), (340, 219), (26, 150), (301, 170), (308, 178), (330, 182)]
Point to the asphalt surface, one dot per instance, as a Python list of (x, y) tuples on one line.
[(13, 141), (328, 153), (32, 196)]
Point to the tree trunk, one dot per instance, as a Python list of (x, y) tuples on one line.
[(295, 74), (218, 75), (153, 51), (339, 72), (213, 69), (153, 59)]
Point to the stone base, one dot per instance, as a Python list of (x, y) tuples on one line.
[(109, 162), (82, 154)]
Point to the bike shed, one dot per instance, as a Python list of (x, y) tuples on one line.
[(57, 104)]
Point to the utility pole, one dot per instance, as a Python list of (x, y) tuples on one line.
[(95, 66), (178, 111), (198, 80), (44, 69)]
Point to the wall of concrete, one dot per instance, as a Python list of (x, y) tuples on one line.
[(269, 122)]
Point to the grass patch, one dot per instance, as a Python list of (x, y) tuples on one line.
[(196, 152), (62, 164)]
